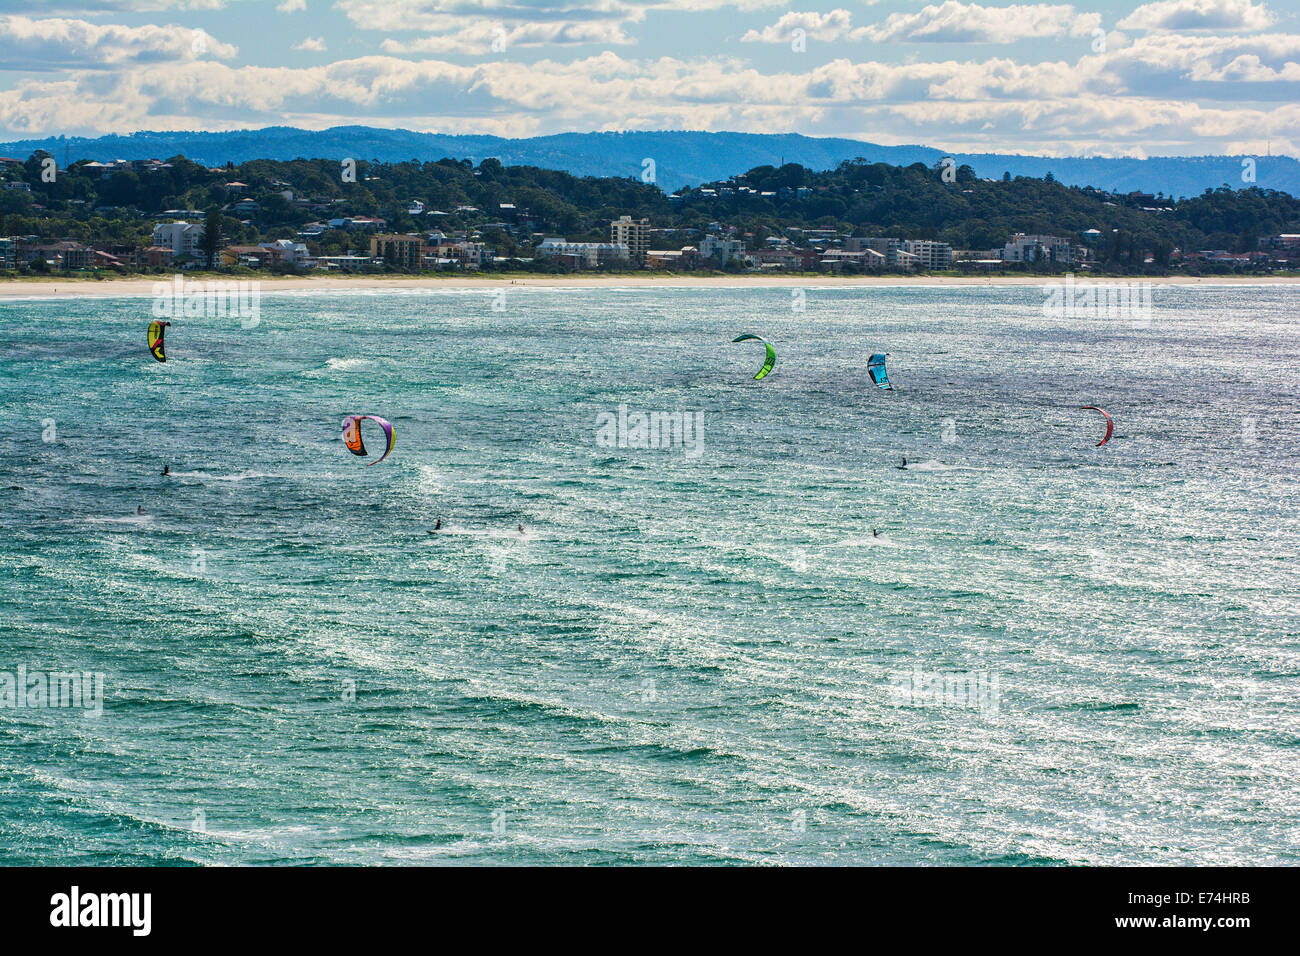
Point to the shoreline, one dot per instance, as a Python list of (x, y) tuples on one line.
[(144, 286)]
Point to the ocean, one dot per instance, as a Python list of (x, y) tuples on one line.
[(760, 642)]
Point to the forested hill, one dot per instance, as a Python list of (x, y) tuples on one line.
[(277, 199), (680, 157)]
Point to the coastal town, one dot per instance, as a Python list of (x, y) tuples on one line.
[(71, 222)]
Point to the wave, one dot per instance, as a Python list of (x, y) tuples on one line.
[(341, 364), (935, 465), (510, 533), (869, 541), (209, 476), (338, 365)]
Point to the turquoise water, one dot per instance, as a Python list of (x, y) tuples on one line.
[(686, 658)]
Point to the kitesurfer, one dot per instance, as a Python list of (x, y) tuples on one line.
[(167, 470), (437, 527), (521, 528), (875, 533), (904, 464), (139, 509)]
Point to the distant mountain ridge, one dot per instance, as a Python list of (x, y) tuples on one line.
[(681, 158)]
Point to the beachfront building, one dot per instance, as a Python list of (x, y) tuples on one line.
[(929, 254), (467, 255), (868, 260), (721, 251), (401, 252), (279, 252), (583, 255), (633, 233), (889, 249), (182, 238), (978, 260), (1023, 248), (254, 257), (672, 259), (66, 255)]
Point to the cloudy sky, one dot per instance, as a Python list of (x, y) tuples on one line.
[(1099, 77)]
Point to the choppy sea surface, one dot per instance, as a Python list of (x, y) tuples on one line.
[(1050, 653)]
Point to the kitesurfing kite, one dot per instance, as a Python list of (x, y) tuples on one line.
[(876, 369), (157, 332), (1110, 424), (771, 354), (352, 435)]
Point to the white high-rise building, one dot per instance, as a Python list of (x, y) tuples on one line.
[(929, 254), (633, 233), (182, 238)]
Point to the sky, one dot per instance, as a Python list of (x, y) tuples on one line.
[(1100, 77)]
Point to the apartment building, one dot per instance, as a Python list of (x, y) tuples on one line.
[(930, 255), (182, 238), (401, 252), (633, 233), (1024, 248), (721, 251), (583, 255)]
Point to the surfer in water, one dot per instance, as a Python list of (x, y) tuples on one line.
[(875, 533), (437, 527), (167, 470), (904, 464), (521, 528), (139, 509)]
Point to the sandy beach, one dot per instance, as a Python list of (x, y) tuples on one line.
[(126, 287)]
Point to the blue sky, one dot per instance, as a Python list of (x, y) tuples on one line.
[(1100, 77)]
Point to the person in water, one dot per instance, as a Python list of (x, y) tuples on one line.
[(167, 470), (437, 527), (139, 509), (875, 533), (904, 464), (521, 528)]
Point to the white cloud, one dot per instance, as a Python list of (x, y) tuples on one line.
[(1160, 93), (54, 44), (292, 6), (1199, 15), (313, 44), (835, 26), (955, 22), (998, 104), (445, 16), (470, 26), (488, 36), (90, 8)]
